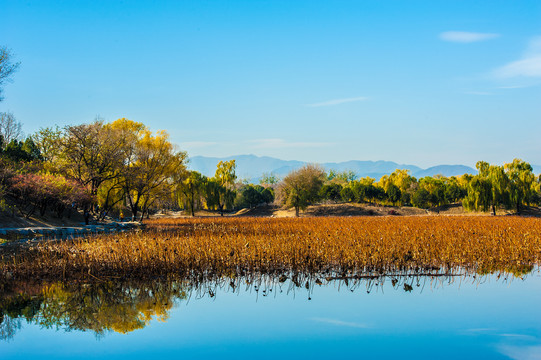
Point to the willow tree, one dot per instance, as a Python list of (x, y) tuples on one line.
[(151, 164), (224, 177), (479, 194), (489, 189), (190, 190), (401, 179), (521, 181), (500, 183)]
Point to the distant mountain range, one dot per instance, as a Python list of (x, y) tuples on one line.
[(251, 167)]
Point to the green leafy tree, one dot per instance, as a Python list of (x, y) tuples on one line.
[(269, 179), (346, 194), (374, 193), (248, 196), (345, 176), (253, 195), (19, 151), (536, 195), (393, 193), (268, 195), (421, 198), (191, 189), (403, 181), (435, 188), (454, 191), (330, 191)]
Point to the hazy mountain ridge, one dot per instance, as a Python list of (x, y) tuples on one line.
[(251, 167)]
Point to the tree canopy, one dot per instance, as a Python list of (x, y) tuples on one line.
[(301, 187)]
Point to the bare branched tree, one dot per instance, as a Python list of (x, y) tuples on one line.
[(10, 128), (7, 67)]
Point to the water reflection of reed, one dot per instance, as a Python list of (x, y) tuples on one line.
[(106, 306)]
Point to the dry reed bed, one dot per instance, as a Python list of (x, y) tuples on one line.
[(332, 246)]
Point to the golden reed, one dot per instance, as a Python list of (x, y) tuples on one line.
[(346, 246)]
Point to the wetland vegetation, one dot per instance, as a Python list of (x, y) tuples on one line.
[(206, 248)]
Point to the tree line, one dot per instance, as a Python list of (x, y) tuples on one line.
[(124, 169), (511, 186)]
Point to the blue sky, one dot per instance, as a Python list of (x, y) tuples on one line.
[(418, 82)]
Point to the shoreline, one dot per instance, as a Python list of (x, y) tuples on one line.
[(16, 236)]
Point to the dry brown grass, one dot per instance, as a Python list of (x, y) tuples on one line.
[(326, 246)]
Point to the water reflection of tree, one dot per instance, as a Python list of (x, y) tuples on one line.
[(97, 307), (9, 327), (518, 270), (13, 310), (107, 306)]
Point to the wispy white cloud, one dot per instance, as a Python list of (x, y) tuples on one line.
[(527, 66), (519, 336), (341, 323), (338, 101), (532, 352), (466, 37), (476, 331), (281, 143)]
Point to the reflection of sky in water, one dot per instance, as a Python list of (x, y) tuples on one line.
[(494, 319)]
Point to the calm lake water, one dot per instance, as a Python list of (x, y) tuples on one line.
[(450, 318)]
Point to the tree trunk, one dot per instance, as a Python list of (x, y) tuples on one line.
[(296, 211), (142, 215), (42, 209), (134, 207), (493, 210), (87, 216)]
